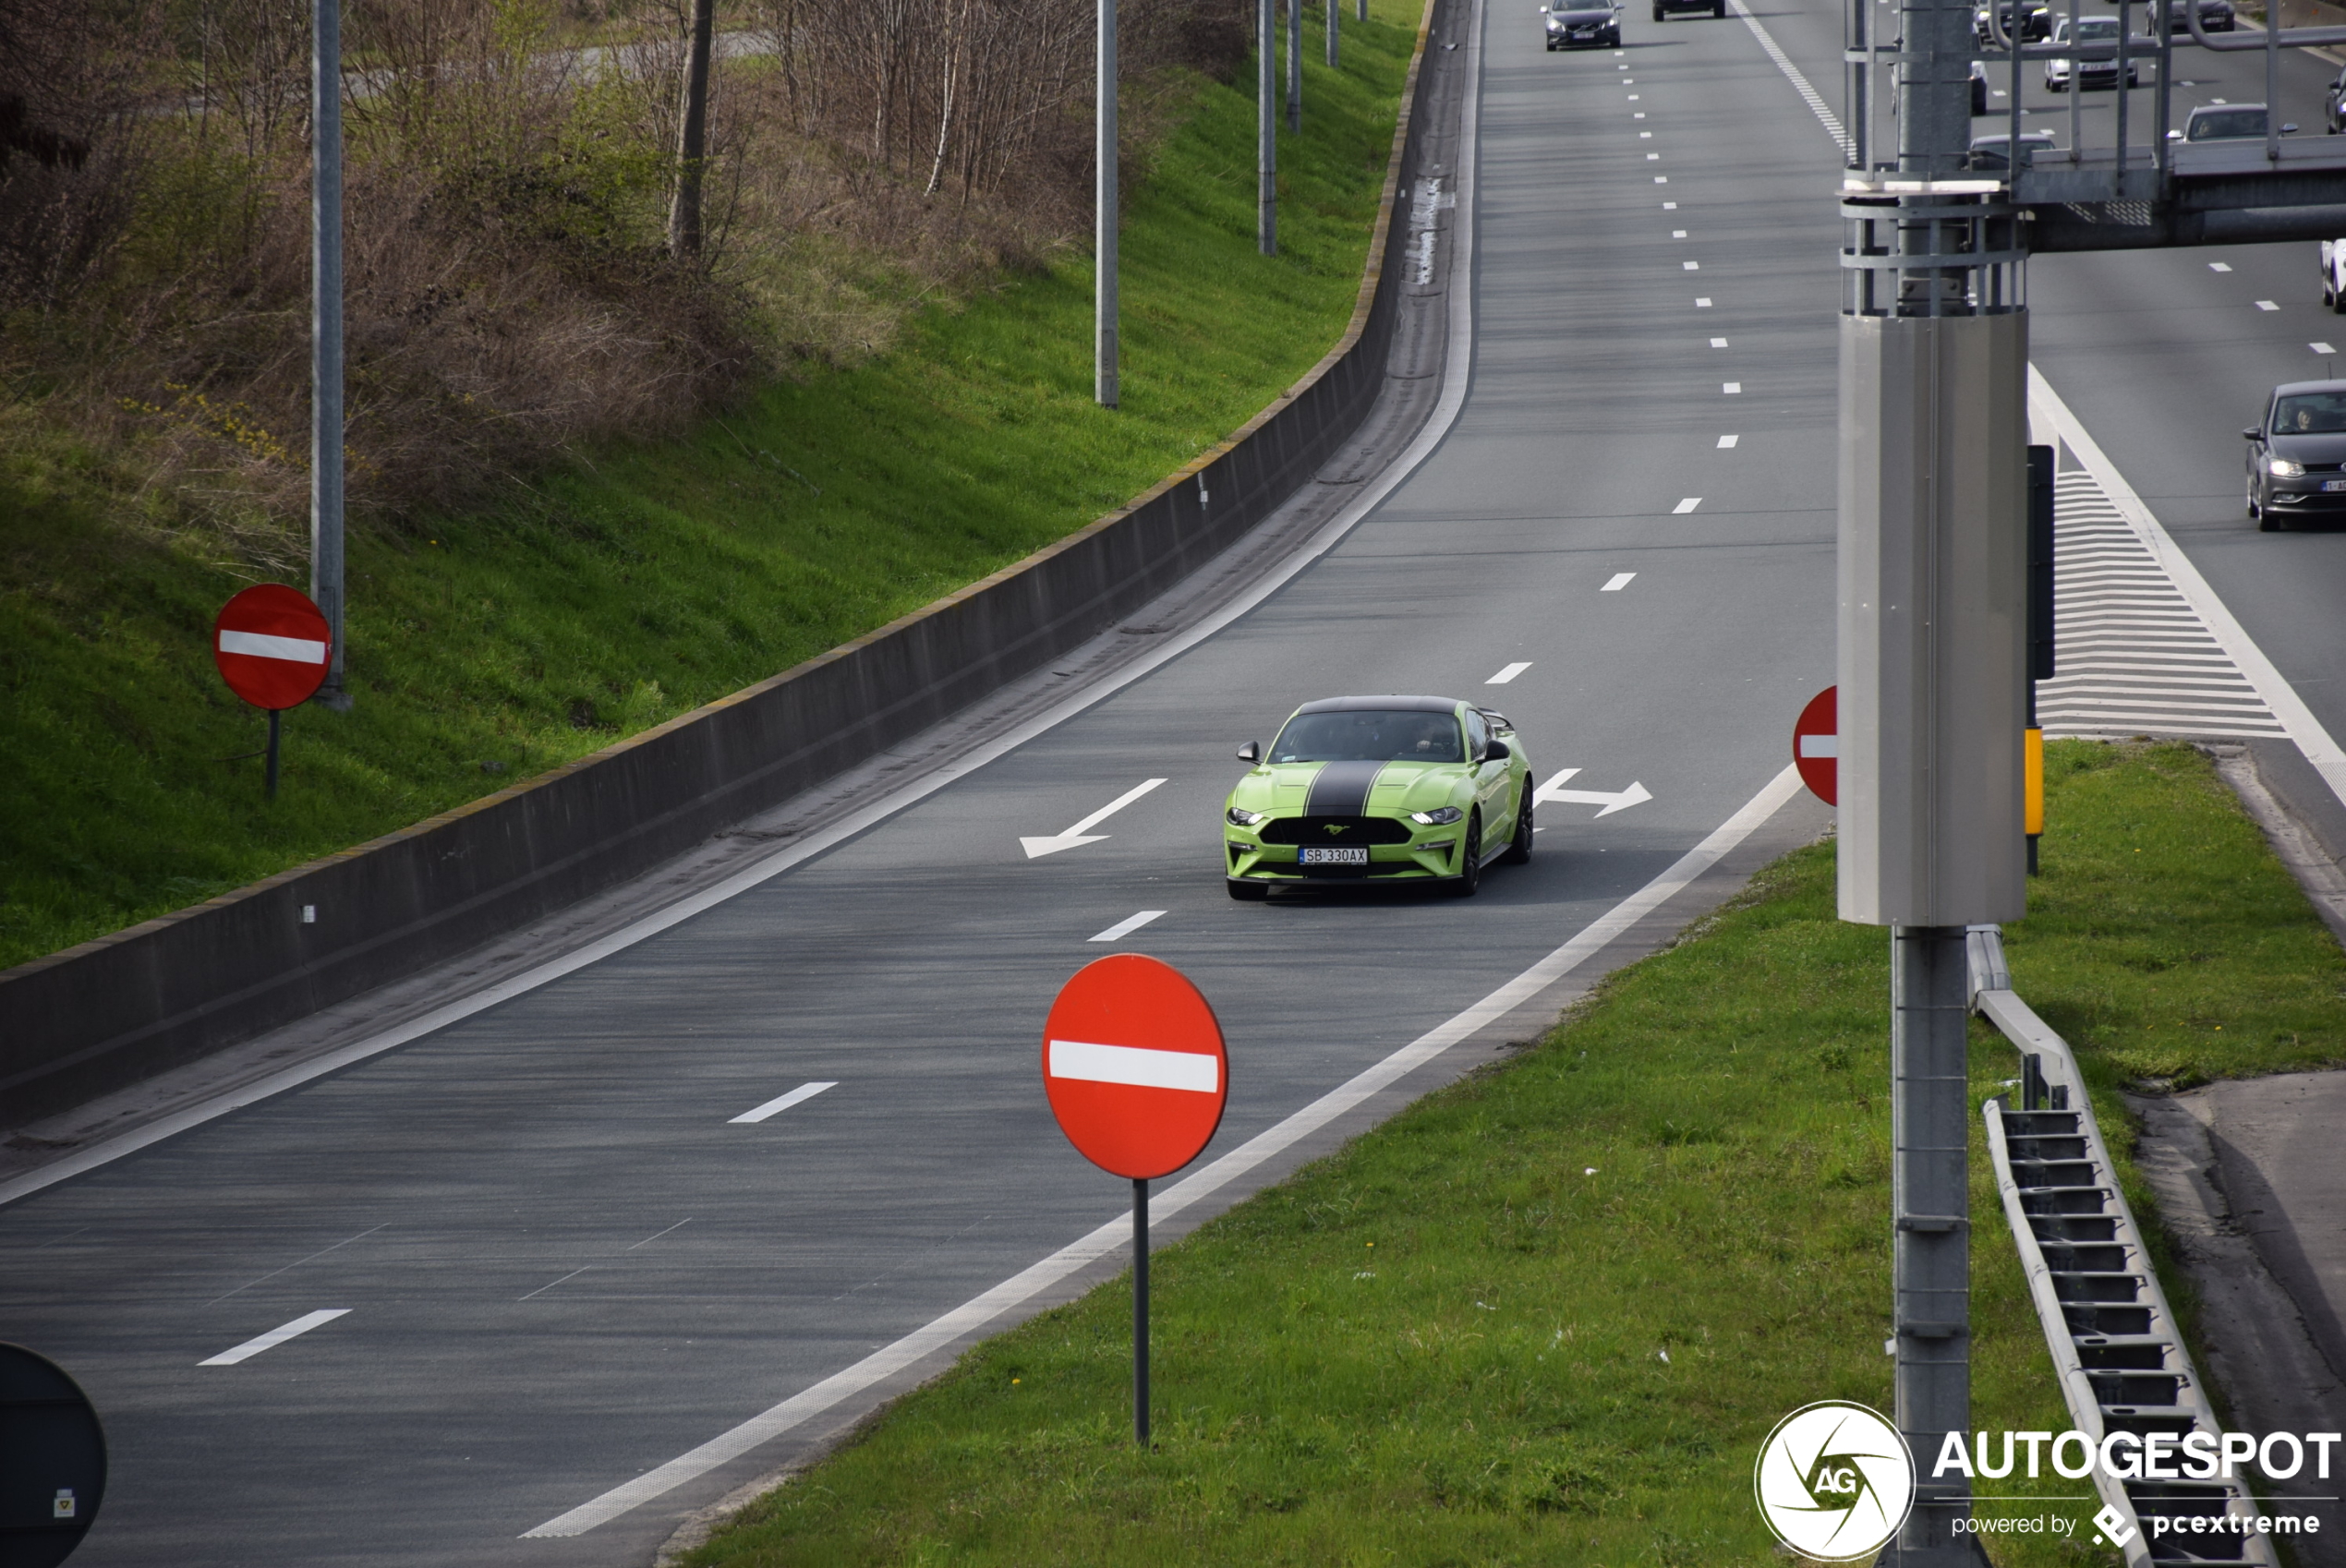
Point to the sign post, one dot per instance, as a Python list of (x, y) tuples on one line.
[(274, 648), (1137, 1075)]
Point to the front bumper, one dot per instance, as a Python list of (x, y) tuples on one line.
[(2305, 495), (1592, 37), (1430, 851)]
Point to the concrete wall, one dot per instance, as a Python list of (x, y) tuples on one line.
[(108, 1013)]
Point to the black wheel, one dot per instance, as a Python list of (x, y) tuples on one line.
[(1247, 892), (1720, 10), (1470, 879), (1657, 13), (1519, 847)]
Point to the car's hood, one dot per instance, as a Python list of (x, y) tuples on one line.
[(1348, 789), (2311, 448), (1579, 15)]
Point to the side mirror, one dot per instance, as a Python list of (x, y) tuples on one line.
[(2174, 136), (1250, 752), (2289, 130), (1495, 751), (2250, 434)]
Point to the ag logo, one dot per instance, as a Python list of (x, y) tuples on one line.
[(1835, 1481)]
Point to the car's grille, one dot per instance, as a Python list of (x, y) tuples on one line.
[(1336, 830)]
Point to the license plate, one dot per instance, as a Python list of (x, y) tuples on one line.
[(1311, 855), (2334, 484)]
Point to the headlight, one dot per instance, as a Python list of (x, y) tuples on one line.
[(1438, 817), (2283, 467), (1238, 816)]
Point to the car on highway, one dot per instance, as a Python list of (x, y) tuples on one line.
[(2099, 66), (2215, 15), (2297, 454), (1390, 788), (1661, 8), (2036, 22), (1992, 152), (2334, 104), (2334, 274), (1581, 26), (2226, 122)]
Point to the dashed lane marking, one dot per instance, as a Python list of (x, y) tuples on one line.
[(1509, 673), (781, 1103), (1620, 580), (1126, 926), (1727, 443), (275, 1337), (1688, 504)]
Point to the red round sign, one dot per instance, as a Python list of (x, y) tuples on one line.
[(1134, 1065), (271, 646), (1816, 746)]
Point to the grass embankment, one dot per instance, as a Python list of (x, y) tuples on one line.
[(640, 581), (1547, 1315)]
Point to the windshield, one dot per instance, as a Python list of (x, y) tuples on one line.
[(1370, 735), (2310, 414), (2227, 122), (2091, 29)]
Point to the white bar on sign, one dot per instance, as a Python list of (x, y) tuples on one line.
[(1192, 1070), (1820, 745), (300, 650)]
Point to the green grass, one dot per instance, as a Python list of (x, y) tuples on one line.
[(1445, 1343), (638, 583)]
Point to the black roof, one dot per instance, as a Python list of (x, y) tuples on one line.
[(1405, 704)]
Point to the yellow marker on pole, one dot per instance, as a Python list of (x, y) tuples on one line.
[(2032, 810)]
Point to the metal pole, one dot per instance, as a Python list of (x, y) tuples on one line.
[(1294, 65), (2272, 80), (1267, 153), (1141, 1312), (1362, 15), (1931, 1259), (325, 337), (275, 720), (1333, 11), (1104, 218), (2125, 94)]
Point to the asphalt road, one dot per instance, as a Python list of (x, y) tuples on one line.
[(561, 1261)]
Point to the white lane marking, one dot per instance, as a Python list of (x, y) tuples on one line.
[(1730, 388), (550, 1284), (1727, 443), (1653, 158), (2313, 740), (1669, 207), (2266, 305), (1612, 800), (275, 1337), (1691, 266), (1646, 135), (2219, 266), (299, 1262), (1618, 581), (1117, 1234), (1143, 1068), (1717, 342), (781, 1103), (1632, 98), (1661, 179), (1509, 674), (680, 1225), (1703, 302), (1637, 114), (1082, 832), (1126, 926), (1458, 360), (2321, 348), (1820, 745), (1685, 505), (1808, 95), (1677, 233), (256, 645), (1998, 93)]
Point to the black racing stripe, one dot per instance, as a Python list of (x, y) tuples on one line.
[(1341, 789)]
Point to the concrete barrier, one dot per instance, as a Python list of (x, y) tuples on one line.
[(108, 1013)]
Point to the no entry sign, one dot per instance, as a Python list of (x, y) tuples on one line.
[(271, 646), (1816, 746), (1134, 1065)]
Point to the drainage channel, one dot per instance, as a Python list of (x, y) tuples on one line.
[(2115, 1345)]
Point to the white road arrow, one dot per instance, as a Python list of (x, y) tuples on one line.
[(1080, 833), (1554, 789)]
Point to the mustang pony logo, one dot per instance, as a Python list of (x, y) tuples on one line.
[(1334, 827)]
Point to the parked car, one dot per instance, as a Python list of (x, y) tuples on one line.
[(2297, 454), (2097, 65), (2036, 22), (2215, 15), (1991, 151), (1582, 24), (2334, 274)]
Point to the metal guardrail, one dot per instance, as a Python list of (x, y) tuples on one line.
[(2115, 1346)]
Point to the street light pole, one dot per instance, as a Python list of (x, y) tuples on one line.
[(325, 337), (1104, 219), (1294, 64), (1266, 150), (1335, 10)]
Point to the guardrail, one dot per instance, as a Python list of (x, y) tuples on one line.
[(2115, 1346), (111, 1012)]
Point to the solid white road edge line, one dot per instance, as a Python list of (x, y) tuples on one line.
[(2320, 749), (1458, 361), (1800, 84), (1126, 926), (1117, 1234), (805, 1092), (275, 1337)]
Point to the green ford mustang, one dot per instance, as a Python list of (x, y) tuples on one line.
[(1394, 789)]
